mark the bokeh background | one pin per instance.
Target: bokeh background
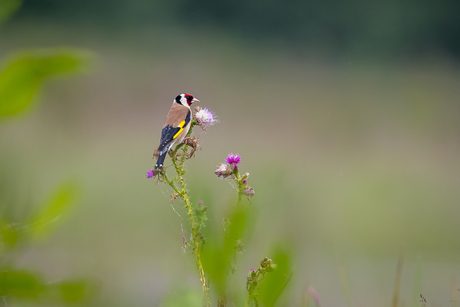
(346, 115)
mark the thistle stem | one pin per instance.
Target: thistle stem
(178, 163)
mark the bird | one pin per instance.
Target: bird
(176, 126)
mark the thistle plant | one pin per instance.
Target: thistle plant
(218, 260)
(196, 215)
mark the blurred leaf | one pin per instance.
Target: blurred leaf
(217, 258)
(20, 284)
(71, 291)
(184, 299)
(8, 8)
(274, 283)
(59, 203)
(10, 234)
(22, 75)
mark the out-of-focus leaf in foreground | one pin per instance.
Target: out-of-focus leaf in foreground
(275, 282)
(183, 299)
(10, 234)
(22, 74)
(8, 8)
(22, 284)
(72, 291)
(54, 209)
(217, 260)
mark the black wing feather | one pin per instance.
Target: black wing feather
(168, 133)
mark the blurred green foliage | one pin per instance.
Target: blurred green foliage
(16, 235)
(222, 246)
(186, 298)
(20, 78)
(275, 282)
(28, 285)
(23, 284)
(7, 8)
(23, 73)
(383, 28)
(60, 202)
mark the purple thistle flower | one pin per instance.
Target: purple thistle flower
(150, 173)
(233, 160)
(200, 203)
(244, 181)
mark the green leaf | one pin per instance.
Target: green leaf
(10, 234)
(218, 252)
(8, 8)
(23, 74)
(71, 291)
(20, 284)
(54, 209)
(184, 299)
(274, 283)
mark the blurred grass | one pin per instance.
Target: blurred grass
(347, 158)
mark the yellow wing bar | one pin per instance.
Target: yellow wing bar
(181, 126)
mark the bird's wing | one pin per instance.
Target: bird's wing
(173, 128)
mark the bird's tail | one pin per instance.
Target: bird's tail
(161, 159)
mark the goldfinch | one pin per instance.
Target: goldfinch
(176, 126)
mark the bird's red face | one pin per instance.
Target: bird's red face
(186, 99)
(190, 99)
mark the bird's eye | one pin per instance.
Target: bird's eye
(189, 97)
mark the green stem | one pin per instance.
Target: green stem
(170, 183)
(241, 185)
(222, 301)
(196, 237)
(182, 192)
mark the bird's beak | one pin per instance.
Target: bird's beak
(195, 100)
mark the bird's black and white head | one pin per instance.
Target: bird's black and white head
(185, 99)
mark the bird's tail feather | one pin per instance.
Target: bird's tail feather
(160, 161)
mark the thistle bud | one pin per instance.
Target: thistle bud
(249, 192)
(265, 262)
(192, 142)
(223, 170)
